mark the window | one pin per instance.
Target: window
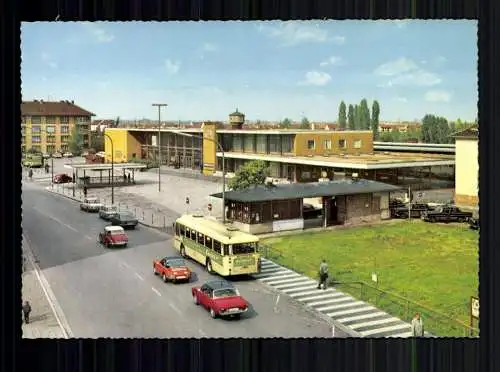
(82, 119)
(274, 143)
(35, 139)
(64, 129)
(248, 143)
(23, 119)
(342, 143)
(36, 129)
(51, 149)
(64, 148)
(37, 148)
(51, 129)
(217, 246)
(261, 143)
(244, 248)
(311, 144)
(51, 139)
(237, 143)
(208, 242)
(36, 120)
(327, 144)
(201, 238)
(287, 143)
(64, 120)
(50, 120)
(357, 144)
(65, 139)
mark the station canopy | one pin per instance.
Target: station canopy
(103, 167)
(307, 190)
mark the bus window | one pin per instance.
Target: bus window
(192, 234)
(177, 229)
(244, 248)
(217, 246)
(208, 242)
(182, 230)
(226, 250)
(201, 239)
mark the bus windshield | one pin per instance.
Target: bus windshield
(244, 248)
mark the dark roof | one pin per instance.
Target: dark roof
(219, 284)
(307, 190)
(61, 108)
(471, 132)
(237, 113)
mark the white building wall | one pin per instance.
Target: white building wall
(466, 167)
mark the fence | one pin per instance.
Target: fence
(397, 305)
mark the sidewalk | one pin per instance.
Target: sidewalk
(43, 322)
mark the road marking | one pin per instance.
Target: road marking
(176, 309)
(353, 311)
(396, 327)
(351, 304)
(375, 322)
(139, 277)
(276, 277)
(329, 294)
(362, 317)
(56, 219)
(156, 291)
(296, 283)
(330, 301)
(51, 298)
(124, 264)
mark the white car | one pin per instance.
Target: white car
(57, 155)
(68, 155)
(91, 205)
(106, 211)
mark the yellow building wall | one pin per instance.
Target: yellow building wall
(209, 148)
(301, 139)
(466, 172)
(133, 147)
(120, 145)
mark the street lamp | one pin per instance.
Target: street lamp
(159, 105)
(112, 169)
(221, 149)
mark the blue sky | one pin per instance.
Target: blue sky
(268, 70)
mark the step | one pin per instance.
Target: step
(298, 289)
(328, 294)
(269, 274)
(374, 322)
(352, 304)
(395, 327)
(330, 301)
(353, 311)
(361, 317)
(295, 284)
(294, 275)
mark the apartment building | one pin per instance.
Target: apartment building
(47, 125)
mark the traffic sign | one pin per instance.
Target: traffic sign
(187, 200)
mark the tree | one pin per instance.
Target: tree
(76, 141)
(357, 117)
(435, 129)
(375, 119)
(251, 174)
(350, 118)
(364, 115)
(304, 124)
(97, 141)
(286, 123)
(342, 115)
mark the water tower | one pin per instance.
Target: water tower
(236, 120)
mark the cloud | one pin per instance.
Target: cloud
(47, 59)
(294, 33)
(401, 99)
(172, 66)
(437, 96)
(317, 78)
(209, 47)
(404, 71)
(99, 34)
(330, 61)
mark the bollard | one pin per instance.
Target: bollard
(276, 303)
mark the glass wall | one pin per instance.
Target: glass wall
(287, 143)
(274, 143)
(261, 143)
(237, 143)
(248, 143)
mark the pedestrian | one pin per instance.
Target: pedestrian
(128, 177)
(323, 274)
(417, 326)
(30, 174)
(46, 168)
(26, 312)
(85, 191)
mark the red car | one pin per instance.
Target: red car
(221, 298)
(173, 269)
(62, 178)
(113, 236)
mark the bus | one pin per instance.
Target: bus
(222, 249)
(33, 160)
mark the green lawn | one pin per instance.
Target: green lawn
(434, 265)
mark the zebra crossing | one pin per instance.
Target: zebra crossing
(365, 319)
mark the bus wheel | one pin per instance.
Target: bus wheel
(209, 267)
(183, 251)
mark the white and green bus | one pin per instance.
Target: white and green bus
(222, 249)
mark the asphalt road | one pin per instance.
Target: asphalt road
(113, 293)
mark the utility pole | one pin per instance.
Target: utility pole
(159, 105)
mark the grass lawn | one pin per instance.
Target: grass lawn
(434, 265)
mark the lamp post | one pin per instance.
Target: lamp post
(221, 149)
(159, 105)
(112, 169)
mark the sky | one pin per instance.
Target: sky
(267, 70)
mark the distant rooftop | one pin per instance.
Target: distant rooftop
(53, 108)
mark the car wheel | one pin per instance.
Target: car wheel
(183, 251)
(165, 279)
(195, 299)
(209, 266)
(213, 314)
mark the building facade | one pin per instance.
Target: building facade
(47, 126)
(467, 168)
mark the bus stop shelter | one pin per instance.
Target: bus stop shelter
(99, 175)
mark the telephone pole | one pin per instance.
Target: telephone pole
(159, 105)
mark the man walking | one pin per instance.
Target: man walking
(323, 274)
(417, 326)
(26, 312)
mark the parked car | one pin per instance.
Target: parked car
(446, 214)
(474, 223)
(90, 205)
(106, 211)
(309, 211)
(396, 203)
(113, 236)
(415, 210)
(123, 219)
(221, 298)
(68, 155)
(57, 155)
(62, 178)
(173, 269)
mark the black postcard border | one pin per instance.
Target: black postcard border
(444, 354)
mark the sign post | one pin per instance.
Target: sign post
(187, 204)
(474, 311)
(210, 209)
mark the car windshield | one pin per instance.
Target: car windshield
(93, 201)
(244, 248)
(116, 232)
(226, 292)
(126, 216)
(176, 262)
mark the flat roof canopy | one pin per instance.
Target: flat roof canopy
(307, 190)
(107, 166)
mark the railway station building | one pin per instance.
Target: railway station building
(293, 155)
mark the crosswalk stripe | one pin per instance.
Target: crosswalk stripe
(361, 317)
(352, 311)
(315, 291)
(342, 306)
(269, 264)
(296, 284)
(328, 294)
(275, 277)
(374, 322)
(269, 274)
(404, 334)
(271, 270)
(298, 289)
(396, 327)
(278, 281)
(330, 301)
